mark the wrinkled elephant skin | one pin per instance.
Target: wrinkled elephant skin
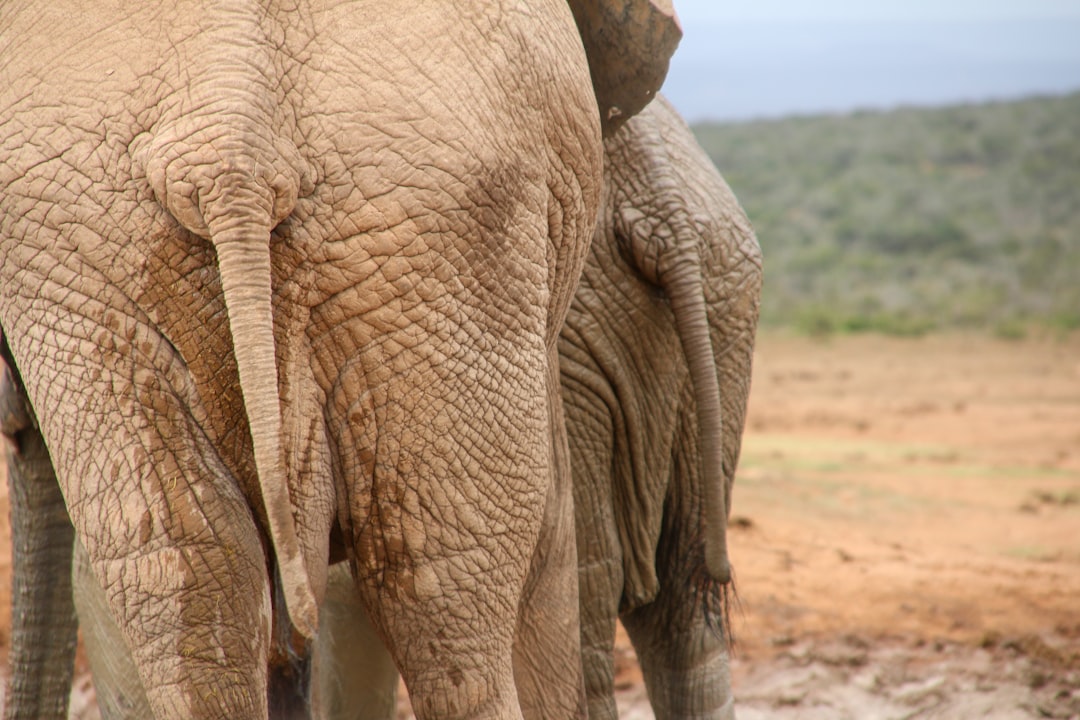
(266, 272)
(653, 465)
(632, 415)
(632, 408)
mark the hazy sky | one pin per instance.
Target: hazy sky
(777, 57)
(876, 10)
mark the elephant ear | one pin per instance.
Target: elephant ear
(629, 44)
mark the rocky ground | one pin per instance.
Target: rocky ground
(906, 533)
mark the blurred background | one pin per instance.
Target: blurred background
(775, 58)
(908, 165)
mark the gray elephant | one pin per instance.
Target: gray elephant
(284, 283)
(638, 444)
(656, 360)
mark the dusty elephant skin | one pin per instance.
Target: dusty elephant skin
(632, 410)
(673, 281)
(632, 414)
(640, 457)
(265, 271)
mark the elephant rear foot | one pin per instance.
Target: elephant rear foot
(684, 656)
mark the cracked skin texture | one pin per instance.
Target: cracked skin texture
(630, 408)
(631, 403)
(434, 213)
(634, 440)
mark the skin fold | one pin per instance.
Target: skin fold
(276, 273)
(635, 446)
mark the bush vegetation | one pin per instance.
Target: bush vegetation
(914, 220)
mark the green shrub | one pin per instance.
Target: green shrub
(962, 217)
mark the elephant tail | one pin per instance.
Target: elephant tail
(217, 164)
(242, 241)
(236, 202)
(685, 287)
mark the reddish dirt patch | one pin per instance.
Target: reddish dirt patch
(918, 489)
(907, 517)
(906, 532)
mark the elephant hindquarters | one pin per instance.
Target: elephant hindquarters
(446, 447)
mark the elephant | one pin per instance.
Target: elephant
(656, 358)
(283, 284)
(638, 444)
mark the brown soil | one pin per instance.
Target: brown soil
(906, 529)
(906, 532)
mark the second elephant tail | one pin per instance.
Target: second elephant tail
(684, 286)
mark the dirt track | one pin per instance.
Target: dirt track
(906, 532)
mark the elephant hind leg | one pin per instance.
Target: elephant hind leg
(195, 609)
(442, 544)
(681, 636)
(685, 664)
(547, 646)
(451, 669)
(119, 691)
(43, 634)
(174, 545)
(450, 639)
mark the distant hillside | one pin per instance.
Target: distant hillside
(915, 219)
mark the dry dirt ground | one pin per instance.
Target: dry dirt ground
(906, 533)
